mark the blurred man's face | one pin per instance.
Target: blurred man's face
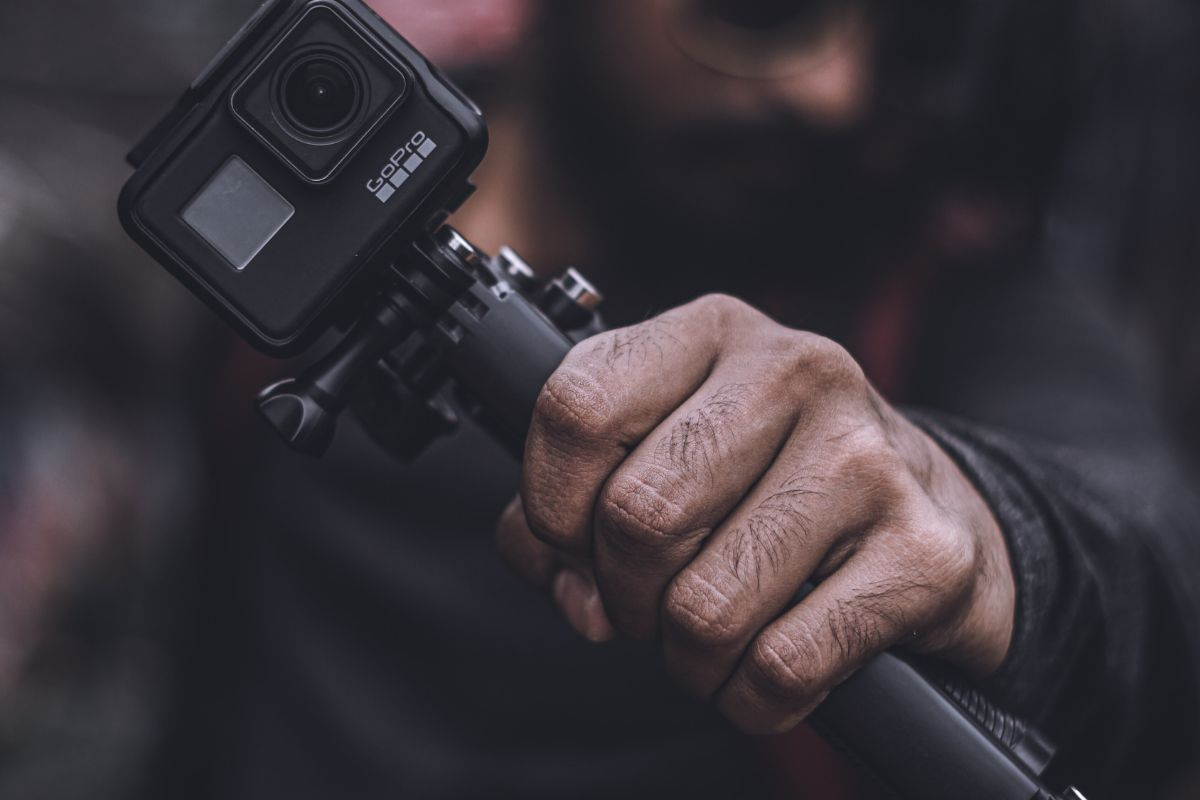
(679, 63)
(734, 130)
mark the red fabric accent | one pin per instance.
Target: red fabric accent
(963, 231)
(803, 766)
(889, 324)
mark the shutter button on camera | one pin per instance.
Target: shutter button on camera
(580, 289)
(570, 301)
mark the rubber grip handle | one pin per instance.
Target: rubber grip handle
(905, 729)
(1021, 739)
(916, 740)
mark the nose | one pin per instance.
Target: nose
(831, 85)
(813, 57)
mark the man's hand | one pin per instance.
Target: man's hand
(685, 477)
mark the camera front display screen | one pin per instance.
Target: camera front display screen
(237, 213)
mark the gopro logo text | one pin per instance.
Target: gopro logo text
(401, 166)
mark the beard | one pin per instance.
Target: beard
(715, 203)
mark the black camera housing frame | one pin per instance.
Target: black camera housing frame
(348, 223)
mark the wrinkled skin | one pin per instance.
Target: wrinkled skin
(685, 477)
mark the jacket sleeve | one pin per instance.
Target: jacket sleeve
(1046, 401)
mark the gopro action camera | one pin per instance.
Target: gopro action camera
(301, 184)
(315, 146)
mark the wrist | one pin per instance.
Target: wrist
(978, 637)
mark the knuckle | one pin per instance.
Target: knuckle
(638, 507)
(836, 367)
(948, 553)
(780, 355)
(723, 305)
(574, 406)
(728, 313)
(867, 457)
(825, 364)
(548, 526)
(701, 613)
(786, 348)
(787, 667)
(926, 566)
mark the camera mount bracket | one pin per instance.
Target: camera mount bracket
(473, 314)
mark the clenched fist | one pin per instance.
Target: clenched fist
(685, 478)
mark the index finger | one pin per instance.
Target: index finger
(609, 393)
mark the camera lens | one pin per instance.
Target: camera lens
(320, 94)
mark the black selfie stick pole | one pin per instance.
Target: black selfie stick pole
(497, 335)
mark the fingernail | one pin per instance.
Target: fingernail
(569, 591)
(597, 627)
(579, 600)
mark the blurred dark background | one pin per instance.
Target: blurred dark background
(108, 395)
